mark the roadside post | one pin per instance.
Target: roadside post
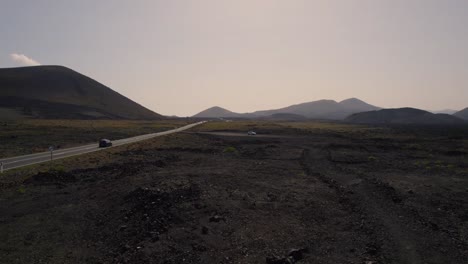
(51, 149)
(1, 167)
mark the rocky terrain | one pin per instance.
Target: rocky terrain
(365, 195)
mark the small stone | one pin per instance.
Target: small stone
(217, 218)
(297, 254)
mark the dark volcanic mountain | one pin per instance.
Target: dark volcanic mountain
(217, 112)
(402, 116)
(463, 114)
(59, 92)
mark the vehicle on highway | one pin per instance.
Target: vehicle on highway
(251, 133)
(103, 143)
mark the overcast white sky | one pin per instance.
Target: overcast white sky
(182, 56)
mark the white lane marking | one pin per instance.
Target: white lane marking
(43, 153)
(76, 150)
(93, 149)
(45, 159)
(47, 154)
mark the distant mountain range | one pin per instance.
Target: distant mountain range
(322, 109)
(350, 110)
(59, 92)
(403, 116)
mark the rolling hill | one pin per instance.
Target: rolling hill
(217, 112)
(59, 92)
(463, 114)
(322, 109)
(403, 116)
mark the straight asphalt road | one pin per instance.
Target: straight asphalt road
(21, 161)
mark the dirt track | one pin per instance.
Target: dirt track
(227, 199)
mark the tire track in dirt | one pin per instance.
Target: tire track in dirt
(405, 243)
(389, 241)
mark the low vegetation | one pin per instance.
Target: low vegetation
(281, 127)
(36, 135)
(375, 132)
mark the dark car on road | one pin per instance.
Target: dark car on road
(103, 143)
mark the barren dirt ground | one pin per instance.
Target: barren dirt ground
(311, 197)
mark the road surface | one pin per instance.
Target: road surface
(21, 161)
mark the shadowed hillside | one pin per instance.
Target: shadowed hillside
(463, 114)
(59, 92)
(403, 116)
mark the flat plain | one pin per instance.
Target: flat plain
(298, 192)
(27, 136)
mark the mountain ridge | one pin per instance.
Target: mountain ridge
(320, 109)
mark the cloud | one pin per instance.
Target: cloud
(23, 60)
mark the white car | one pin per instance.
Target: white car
(251, 133)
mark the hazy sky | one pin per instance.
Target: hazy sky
(180, 57)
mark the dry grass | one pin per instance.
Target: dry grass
(285, 127)
(103, 157)
(237, 126)
(31, 136)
